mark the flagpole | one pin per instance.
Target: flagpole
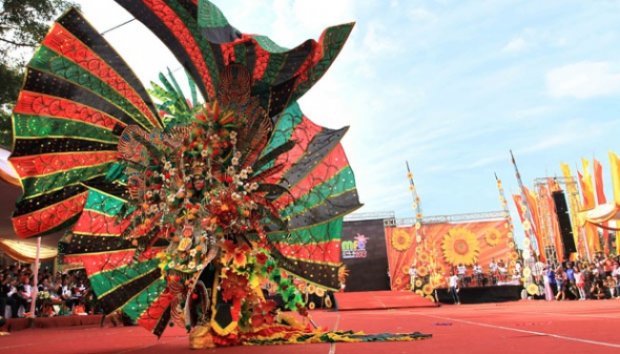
(35, 287)
(419, 237)
(504, 203)
(528, 212)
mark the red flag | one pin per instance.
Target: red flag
(600, 196)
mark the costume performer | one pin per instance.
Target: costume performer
(182, 212)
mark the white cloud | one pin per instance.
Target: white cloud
(515, 45)
(584, 79)
(420, 14)
(378, 40)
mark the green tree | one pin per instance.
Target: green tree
(23, 24)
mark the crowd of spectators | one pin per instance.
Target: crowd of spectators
(570, 280)
(58, 293)
(597, 279)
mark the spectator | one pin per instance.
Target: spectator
(579, 282)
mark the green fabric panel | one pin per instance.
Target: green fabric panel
(327, 231)
(267, 44)
(205, 49)
(103, 203)
(136, 306)
(49, 61)
(338, 184)
(241, 55)
(45, 127)
(105, 281)
(209, 15)
(6, 131)
(37, 185)
(333, 41)
(283, 130)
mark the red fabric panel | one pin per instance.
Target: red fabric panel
(64, 43)
(38, 165)
(52, 216)
(37, 104)
(151, 316)
(184, 36)
(318, 252)
(92, 222)
(335, 161)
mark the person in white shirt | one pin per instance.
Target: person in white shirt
(460, 271)
(478, 274)
(493, 271)
(453, 283)
(537, 271)
(412, 274)
(518, 267)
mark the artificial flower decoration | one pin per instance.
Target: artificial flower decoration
(460, 245)
(401, 240)
(532, 289)
(427, 289)
(422, 256)
(492, 237)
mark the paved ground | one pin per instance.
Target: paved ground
(517, 327)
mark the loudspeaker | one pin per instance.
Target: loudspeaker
(566, 229)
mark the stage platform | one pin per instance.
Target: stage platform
(482, 294)
(19, 324)
(380, 300)
(508, 328)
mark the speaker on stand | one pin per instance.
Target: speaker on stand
(566, 229)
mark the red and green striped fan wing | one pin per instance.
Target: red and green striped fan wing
(122, 280)
(77, 98)
(320, 191)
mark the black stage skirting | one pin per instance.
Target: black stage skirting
(482, 294)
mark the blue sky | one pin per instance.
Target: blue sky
(450, 86)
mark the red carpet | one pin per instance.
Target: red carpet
(380, 300)
(530, 327)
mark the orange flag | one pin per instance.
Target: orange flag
(587, 190)
(598, 178)
(532, 202)
(521, 207)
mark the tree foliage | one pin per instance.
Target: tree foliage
(23, 24)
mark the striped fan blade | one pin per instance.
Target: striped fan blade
(121, 280)
(320, 189)
(205, 43)
(78, 97)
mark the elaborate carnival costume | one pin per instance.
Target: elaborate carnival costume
(183, 212)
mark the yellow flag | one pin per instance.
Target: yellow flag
(571, 187)
(614, 164)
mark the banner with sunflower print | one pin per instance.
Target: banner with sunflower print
(444, 246)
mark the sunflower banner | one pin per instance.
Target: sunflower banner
(400, 245)
(447, 245)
